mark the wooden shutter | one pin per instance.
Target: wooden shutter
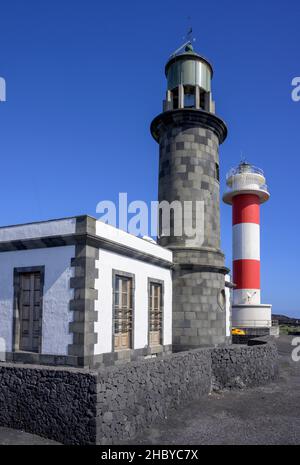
(155, 314)
(30, 311)
(123, 313)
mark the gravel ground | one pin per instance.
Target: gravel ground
(265, 415)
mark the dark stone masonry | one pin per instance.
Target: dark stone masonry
(189, 142)
(56, 403)
(238, 367)
(76, 406)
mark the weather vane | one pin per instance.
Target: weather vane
(188, 38)
(189, 35)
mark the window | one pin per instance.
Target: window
(217, 172)
(28, 309)
(222, 299)
(202, 99)
(123, 312)
(175, 98)
(189, 97)
(155, 313)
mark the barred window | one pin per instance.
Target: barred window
(123, 312)
(155, 314)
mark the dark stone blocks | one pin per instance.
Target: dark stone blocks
(60, 404)
(237, 367)
(189, 166)
(196, 298)
(187, 172)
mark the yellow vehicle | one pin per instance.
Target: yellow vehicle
(238, 332)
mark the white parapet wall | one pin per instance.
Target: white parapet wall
(38, 230)
(121, 237)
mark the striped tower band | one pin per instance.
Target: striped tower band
(246, 248)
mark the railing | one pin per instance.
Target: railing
(252, 324)
(245, 186)
(264, 187)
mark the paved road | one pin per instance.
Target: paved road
(12, 437)
(266, 415)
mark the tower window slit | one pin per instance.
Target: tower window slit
(217, 172)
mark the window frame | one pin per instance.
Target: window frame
(16, 310)
(161, 283)
(115, 274)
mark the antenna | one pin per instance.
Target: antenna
(243, 158)
(189, 34)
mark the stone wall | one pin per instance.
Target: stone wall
(57, 403)
(110, 405)
(134, 396)
(238, 367)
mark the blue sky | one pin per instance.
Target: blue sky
(85, 78)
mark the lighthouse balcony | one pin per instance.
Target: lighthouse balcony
(246, 179)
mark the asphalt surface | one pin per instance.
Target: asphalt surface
(265, 415)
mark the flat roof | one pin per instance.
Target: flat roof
(65, 228)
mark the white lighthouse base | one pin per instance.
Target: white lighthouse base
(247, 316)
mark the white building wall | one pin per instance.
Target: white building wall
(56, 298)
(109, 261)
(228, 294)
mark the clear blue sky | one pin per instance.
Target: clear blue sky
(85, 78)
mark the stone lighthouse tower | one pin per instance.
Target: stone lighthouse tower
(189, 134)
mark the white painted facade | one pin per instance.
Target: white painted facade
(56, 295)
(109, 261)
(142, 270)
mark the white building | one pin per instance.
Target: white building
(78, 292)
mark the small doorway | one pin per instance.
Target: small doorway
(28, 314)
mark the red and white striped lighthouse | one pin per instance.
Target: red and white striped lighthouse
(247, 191)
